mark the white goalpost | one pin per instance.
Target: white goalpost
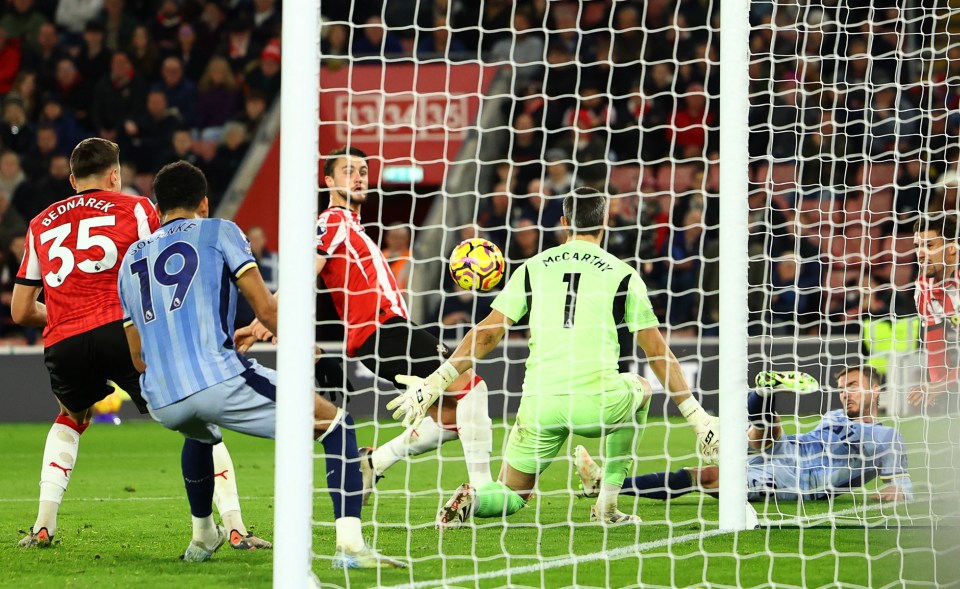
(300, 95)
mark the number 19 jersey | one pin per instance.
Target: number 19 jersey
(72, 251)
(177, 288)
(577, 296)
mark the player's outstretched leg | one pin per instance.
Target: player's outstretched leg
(59, 459)
(345, 482)
(426, 437)
(227, 499)
(196, 461)
(491, 500)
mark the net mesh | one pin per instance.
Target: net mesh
(479, 117)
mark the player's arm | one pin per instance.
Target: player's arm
(479, 341)
(665, 365)
(133, 342)
(262, 301)
(25, 309)
(891, 461)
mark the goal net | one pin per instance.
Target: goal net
(479, 117)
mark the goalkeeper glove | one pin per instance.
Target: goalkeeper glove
(706, 427)
(411, 405)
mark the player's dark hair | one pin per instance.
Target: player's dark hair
(874, 378)
(94, 157)
(585, 210)
(180, 185)
(943, 224)
(336, 154)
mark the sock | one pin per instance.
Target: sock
(607, 500)
(426, 437)
(225, 494)
(343, 467)
(761, 409)
(349, 536)
(659, 485)
(59, 459)
(496, 499)
(205, 530)
(476, 431)
(196, 462)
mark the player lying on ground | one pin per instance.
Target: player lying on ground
(846, 450)
(71, 254)
(179, 304)
(576, 295)
(380, 333)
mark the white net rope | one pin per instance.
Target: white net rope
(853, 132)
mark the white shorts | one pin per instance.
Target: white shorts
(246, 403)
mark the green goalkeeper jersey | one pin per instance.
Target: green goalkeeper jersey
(577, 295)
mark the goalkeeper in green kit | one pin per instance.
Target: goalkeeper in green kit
(576, 295)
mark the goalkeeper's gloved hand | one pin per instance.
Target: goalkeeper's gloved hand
(411, 405)
(706, 427)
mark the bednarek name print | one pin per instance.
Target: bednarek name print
(69, 205)
(579, 257)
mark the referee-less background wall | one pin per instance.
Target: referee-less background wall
(26, 396)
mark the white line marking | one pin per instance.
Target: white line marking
(610, 554)
(110, 499)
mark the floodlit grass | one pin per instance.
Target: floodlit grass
(125, 521)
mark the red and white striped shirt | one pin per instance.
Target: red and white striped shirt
(358, 276)
(939, 308)
(73, 250)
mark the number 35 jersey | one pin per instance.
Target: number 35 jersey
(177, 287)
(72, 251)
(577, 296)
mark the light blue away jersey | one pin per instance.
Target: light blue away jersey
(834, 457)
(176, 287)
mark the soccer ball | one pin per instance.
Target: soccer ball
(476, 264)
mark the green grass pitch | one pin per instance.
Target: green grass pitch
(125, 521)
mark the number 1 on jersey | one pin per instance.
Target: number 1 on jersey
(181, 278)
(572, 279)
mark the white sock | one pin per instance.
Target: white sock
(349, 535)
(205, 531)
(607, 500)
(476, 433)
(225, 494)
(59, 458)
(426, 437)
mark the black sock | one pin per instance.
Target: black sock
(196, 462)
(343, 469)
(761, 409)
(659, 485)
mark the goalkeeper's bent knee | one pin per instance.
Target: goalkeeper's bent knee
(496, 499)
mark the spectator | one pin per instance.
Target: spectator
(192, 55)
(526, 148)
(149, 135)
(118, 97)
(559, 179)
(43, 59)
(11, 259)
(37, 159)
(219, 98)
(790, 297)
(587, 146)
(622, 234)
(25, 90)
(546, 208)
(10, 57)
(74, 15)
(118, 25)
(685, 254)
(336, 44)
(373, 38)
(73, 92)
(11, 174)
(227, 160)
(128, 178)
(266, 77)
(439, 43)
(11, 223)
(524, 243)
(210, 28)
(144, 52)
(254, 109)
(65, 125)
(94, 59)
(33, 197)
(493, 215)
(266, 21)
(22, 23)
(16, 132)
(165, 26)
(524, 49)
(181, 148)
(397, 252)
(690, 125)
(267, 260)
(239, 46)
(181, 93)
